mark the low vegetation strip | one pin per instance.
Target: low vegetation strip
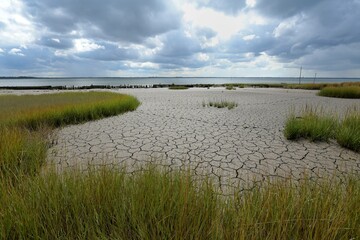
(316, 125)
(341, 92)
(25, 122)
(153, 204)
(178, 87)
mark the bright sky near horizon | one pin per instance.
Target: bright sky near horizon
(227, 38)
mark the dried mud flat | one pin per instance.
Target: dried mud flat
(173, 129)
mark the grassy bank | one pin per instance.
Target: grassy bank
(316, 125)
(341, 92)
(25, 122)
(157, 205)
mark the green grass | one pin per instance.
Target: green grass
(149, 204)
(177, 87)
(154, 204)
(316, 125)
(25, 122)
(341, 92)
(230, 87)
(348, 134)
(220, 104)
(306, 86)
(312, 123)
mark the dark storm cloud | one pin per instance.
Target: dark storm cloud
(179, 51)
(342, 57)
(326, 25)
(115, 20)
(285, 8)
(177, 44)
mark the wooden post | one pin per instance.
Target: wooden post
(300, 75)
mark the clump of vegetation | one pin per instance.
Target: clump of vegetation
(315, 125)
(178, 87)
(230, 87)
(220, 104)
(25, 122)
(312, 123)
(341, 92)
(153, 204)
(348, 133)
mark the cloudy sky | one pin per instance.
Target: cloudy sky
(180, 38)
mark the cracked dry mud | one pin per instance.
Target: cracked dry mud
(173, 129)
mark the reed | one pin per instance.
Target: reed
(153, 204)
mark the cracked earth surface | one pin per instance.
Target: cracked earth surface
(173, 129)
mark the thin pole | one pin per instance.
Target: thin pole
(315, 77)
(300, 75)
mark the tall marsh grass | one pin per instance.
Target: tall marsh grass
(152, 204)
(25, 122)
(341, 92)
(348, 134)
(314, 124)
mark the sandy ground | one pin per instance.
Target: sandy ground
(173, 128)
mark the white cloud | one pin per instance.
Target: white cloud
(203, 57)
(1, 50)
(85, 45)
(250, 3)
(56, 40)
(225, 26)
(148, 65)
(16, 51)
(18, 28)
(249, 37)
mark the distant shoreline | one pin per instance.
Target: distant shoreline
(307, 86)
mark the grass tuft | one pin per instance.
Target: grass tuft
(230, 87)
(312, 123)
(348, 134)
(220, 104)
(315, 125)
